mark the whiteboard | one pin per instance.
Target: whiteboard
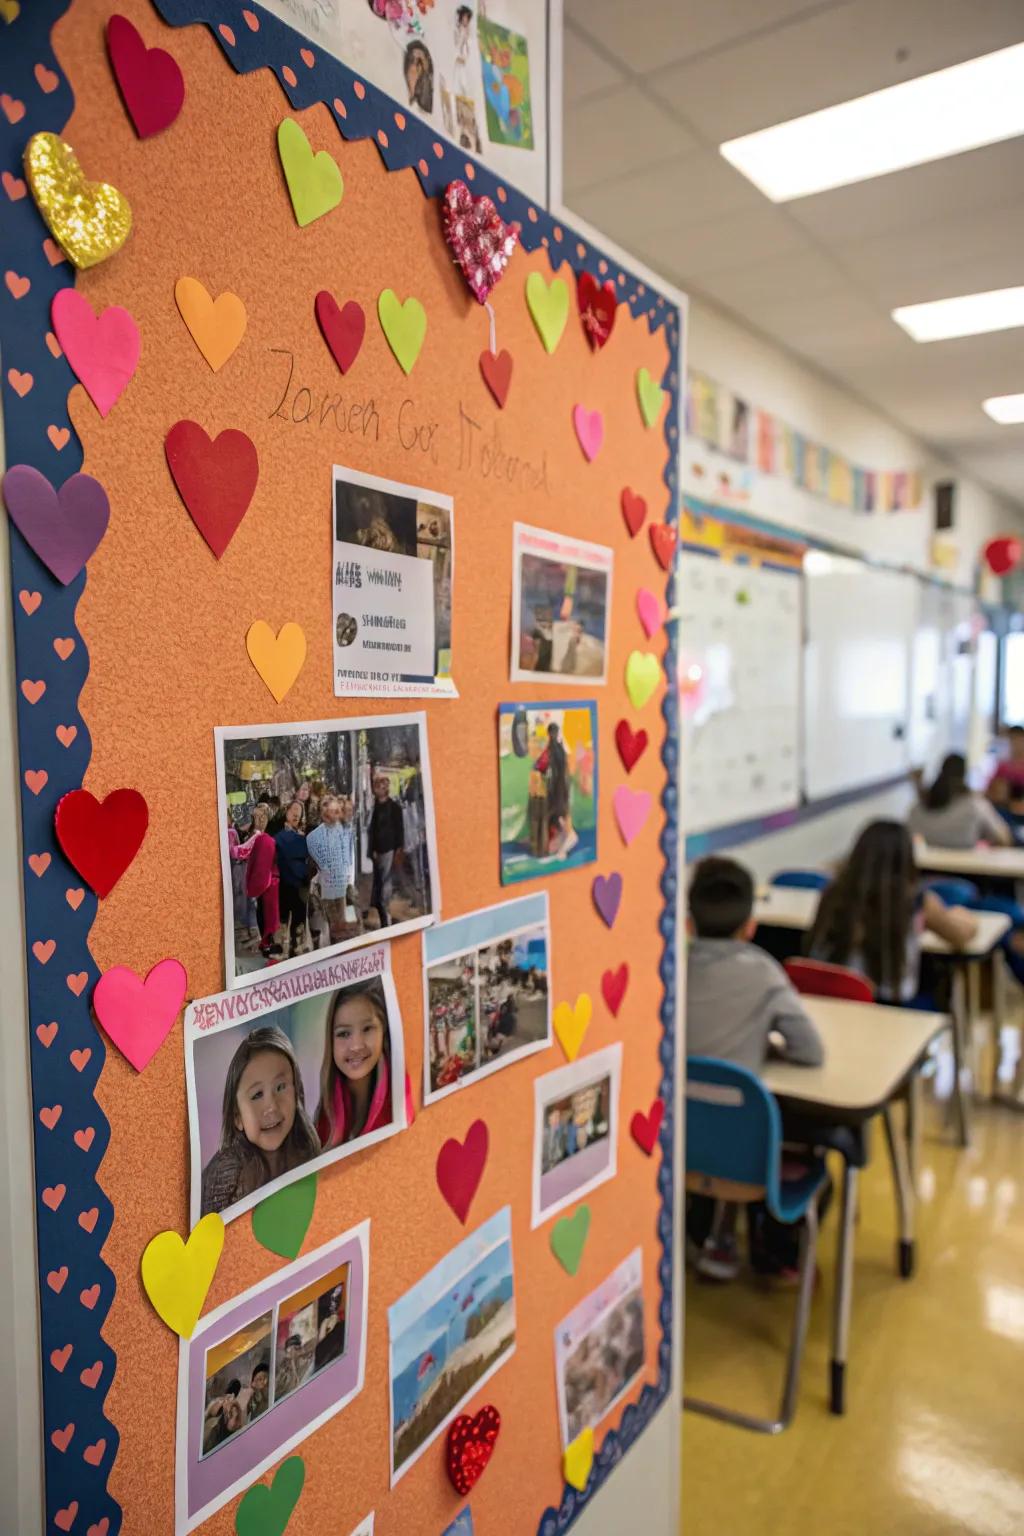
(861, 623)
(739, 640)
(942, 675)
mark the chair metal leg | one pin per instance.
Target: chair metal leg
(961, 1025)
(914, 1129)
(904, 1192)
(794, 1359)
(844, 1292)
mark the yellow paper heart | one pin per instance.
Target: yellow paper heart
(571, 1024)
(89, 219)
(177, 1275)
(578, 1460)
(216, 325)
(277, 658)
(643, 674)
(10, 10)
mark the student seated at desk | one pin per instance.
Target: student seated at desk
(950, 815)
(872, 916)
(1006, 786)
(736, 996)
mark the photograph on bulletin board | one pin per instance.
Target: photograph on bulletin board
(561, 607)
(548, 783)
(599, 1349)
(575, 1130)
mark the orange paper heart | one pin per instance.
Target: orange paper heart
(216, 325)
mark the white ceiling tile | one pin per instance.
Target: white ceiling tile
(584, 70)
(801, 274)
(666, 30)
(671, 194)
(724, 244)
(618, 132)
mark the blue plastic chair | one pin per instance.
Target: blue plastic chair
(954, 893)
(801, 879)
(733, 1152)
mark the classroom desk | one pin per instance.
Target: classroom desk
(780, 906)
(971, 863)
(871, 1056)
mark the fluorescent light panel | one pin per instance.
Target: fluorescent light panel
(972, 314)
(966, 106)
(1008, 410)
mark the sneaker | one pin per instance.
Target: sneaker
(568, 845)
(719, 1259)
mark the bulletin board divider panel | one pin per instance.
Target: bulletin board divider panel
(75, 1214)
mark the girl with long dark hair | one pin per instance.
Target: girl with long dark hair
(950, 815)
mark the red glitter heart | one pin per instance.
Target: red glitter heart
(597, 308)
(479, 236)
(471, 1442)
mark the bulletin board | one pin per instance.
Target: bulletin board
(132, 655)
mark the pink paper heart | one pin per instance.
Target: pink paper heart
(632, 808)
(589, 429)
(103, 349)
(136, 1014)
(650, 610)
(479, 237)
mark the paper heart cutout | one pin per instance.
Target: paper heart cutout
(650, 611)
(102, 350)
(281, 1221)
(631, 744)
(607, 893)
(481, 241)
(650, 396)
(177, 1275)
(343, 329)
(138, 1014)
(663, 543)
(569, 1238)
(470, 1446)
(149, 79)
(404, 325)
(613, 988)
(10, 10)
(589, 430)
(572, 1023)
(496, 368)
(89, 219)
(549, 308)
(315, 185)
(597, 308)
(216, 480)
(277, 658)
(578, 1460)
(266, 1511)
(644, 1128)
(62, 527)
(100, 838)
(460, 1167)
(215, 325)
(643, 674)
(634, 510)
(632, 808)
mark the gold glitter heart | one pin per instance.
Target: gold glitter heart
(89, 219)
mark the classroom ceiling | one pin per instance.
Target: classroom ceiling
(652, 89)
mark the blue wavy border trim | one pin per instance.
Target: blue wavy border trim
(24, 322)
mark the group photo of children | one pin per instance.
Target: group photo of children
(311, 1330)
(599, 1350)
(237, 1383)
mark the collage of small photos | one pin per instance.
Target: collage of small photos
(328, 853)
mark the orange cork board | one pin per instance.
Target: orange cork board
(163, 624)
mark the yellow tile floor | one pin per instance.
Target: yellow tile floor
(932, 1443)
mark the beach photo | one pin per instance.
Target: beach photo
(290, 1076)
(447, 1335)
(561, 607)
(487, 993)
(599, 1349)
(327, 838)
(576, 1114)
(237, 1383)
(548, 770)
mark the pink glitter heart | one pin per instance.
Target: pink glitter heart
(480, 238)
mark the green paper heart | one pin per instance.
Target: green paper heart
(265, 1511)
(650, 395)
(314, 181)
(549, 308)
(643, 674)
(281, 1221)
(569, 1238)
(404, 325)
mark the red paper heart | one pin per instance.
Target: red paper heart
(631, 744)
(479, 237)
(343, 328)
(496, 368)
(149, 80)
(634, 510)
(663, 542)
(471, 1443)
(613, 988)
(597, 308)
(101, 838)
(216, 480)
(460, 1167)
(644, 1128)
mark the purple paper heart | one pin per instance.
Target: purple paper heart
(63, 527)
(607, 895)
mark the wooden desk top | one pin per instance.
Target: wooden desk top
(869, 1050)
(779, 906)
(1004, 863)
